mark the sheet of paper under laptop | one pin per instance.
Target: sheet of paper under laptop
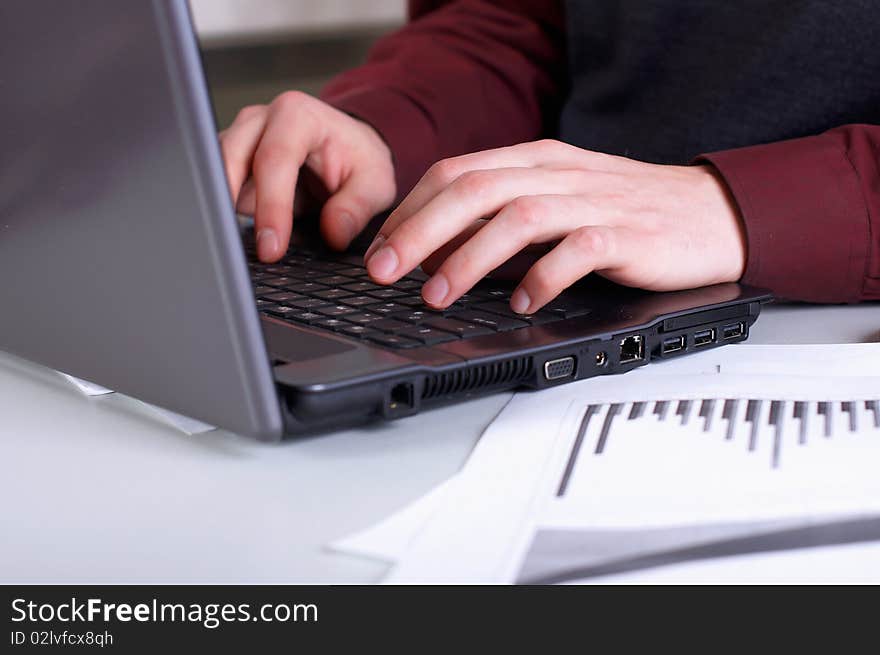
(731, 458)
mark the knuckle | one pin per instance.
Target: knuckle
(249, 112)
(590, 240)
(444, 171)
(474, 183)
(292, 99)
(527, 212)
(551, 146)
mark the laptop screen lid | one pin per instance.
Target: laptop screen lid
(120, 254)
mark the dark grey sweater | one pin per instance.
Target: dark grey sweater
(665, 80)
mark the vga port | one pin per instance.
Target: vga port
(557, 369)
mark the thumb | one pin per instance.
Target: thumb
(349, 210)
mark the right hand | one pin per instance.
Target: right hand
(267, 145)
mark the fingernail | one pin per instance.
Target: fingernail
(435, 290)
(267, 243)
(383, 263)
(520, 301)
(378, 241)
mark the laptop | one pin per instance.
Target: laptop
(124, 263)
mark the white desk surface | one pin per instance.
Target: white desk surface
(100, 490)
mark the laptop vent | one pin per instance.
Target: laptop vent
(462, 381)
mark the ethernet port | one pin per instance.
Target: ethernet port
(632, 349)
(403, 397)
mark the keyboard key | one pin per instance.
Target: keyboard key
(411, 301)
(503, 309)
(280, 282)
(305, 316)
(263, 305)
(336, 310)
(307, 288)
(566, 308)
(387, 294)
(413, 316)
(353, 271)
(360, 331)
(332, 294)
(389, 325)
(460, 328)
(334, 280)
(281, 311)
(309, 303)
(363, 318)
(261, 290)
(334, 324)
(311, 274)
(361, 287)
(332, 266)
(280, 270)
(387, 308)
(493, 321)
(394, 341)
(282, 296)
(427, 335)
(358, 301)
(407, 285)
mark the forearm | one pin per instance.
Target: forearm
(460, 77)
(811, 209)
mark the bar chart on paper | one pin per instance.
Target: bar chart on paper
(708, 478)
(727, 457)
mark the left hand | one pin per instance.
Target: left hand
(643, 225)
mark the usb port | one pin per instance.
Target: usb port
(672, 345)
(733, 331)
(632, 349)
(704, 337)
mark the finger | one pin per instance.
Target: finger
(290, 135)
(586, 249)
(517, 266)
(433, 262)
(349, 210)
(238, 143)
(546, 153)
(247, 199)
(472, 196)
(526, 220)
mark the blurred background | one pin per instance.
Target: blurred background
(255, 49)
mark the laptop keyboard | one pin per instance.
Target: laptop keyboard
(337, 295)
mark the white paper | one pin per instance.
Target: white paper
(185, 424)
(389, 539)
(661, 480)
(86, 387)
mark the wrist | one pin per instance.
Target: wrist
(724, 216)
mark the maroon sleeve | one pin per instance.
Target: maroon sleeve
(811, 208)
(461, 76)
